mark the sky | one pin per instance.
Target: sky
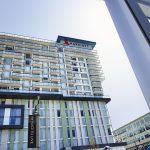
(88, 20)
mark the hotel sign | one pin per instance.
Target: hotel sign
(33, 131)
(73, 42)
(69, 43)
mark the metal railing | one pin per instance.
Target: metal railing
(23, 91)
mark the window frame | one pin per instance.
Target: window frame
(3, 106)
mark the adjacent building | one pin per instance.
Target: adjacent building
(135, 133)
(66, 77)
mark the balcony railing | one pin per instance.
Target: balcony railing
(11, 53)
(25, 91)
(18, 60)
(26, 75)
(57, 71)
(44, 57)
(36, 69)
(10, 81)
(92, 96)
(45, 84)
(17, 67)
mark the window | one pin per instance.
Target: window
(28, 56)
(28, 62)
(75, 69)
(6, 74)
(9, 48)
(7, 61)
(54, 90)
(86, 88)
(73, 58)
(82, 70)
(74, 64)
(58, 113)
(77, 81)
(85, 82)
(44, 47)
(82, 113)
(76, 75)
(78, 87)
(109, 131)
(84, 76)
(81, 59)
(60, 49)
(82, 64)
(11, 116)
(74, 132)
(45, 79)
(68, 131)
(45, 71)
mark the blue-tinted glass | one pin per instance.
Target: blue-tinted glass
(1, 115)
(18, 112)
(18, 121)
(15, 112)
(1, 120)
(2, 112)
(12, 121)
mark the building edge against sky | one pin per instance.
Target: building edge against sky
(133, 26)
(136, 133)
(66, 76)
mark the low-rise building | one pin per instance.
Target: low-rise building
(135, 133)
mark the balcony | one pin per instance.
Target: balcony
(18, 61)
(93, 66)
(98, 91)
(95, 72)
(37, 64)
(97, 78)
(10, 83)
(71, 81)
(11, 54)
(96, 84)
(45, 85)
(45, 58)
(26, 76)
(36, 70)
(55, 78)
(55, 66)
(55, 72)
(25, 93)
(72, 88)
(17, 68)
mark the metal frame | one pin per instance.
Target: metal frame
(140, 17)
(22, 117)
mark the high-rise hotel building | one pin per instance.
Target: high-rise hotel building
(66, 77)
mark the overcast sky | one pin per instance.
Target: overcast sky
(88, 20)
